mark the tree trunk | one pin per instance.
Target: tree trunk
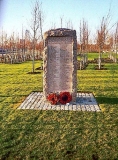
(33, 61)
(99, 60)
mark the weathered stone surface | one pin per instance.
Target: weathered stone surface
(60, 59)
(60, 32)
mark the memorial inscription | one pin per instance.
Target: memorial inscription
(60, 64)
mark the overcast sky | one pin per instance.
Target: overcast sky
(14, 13)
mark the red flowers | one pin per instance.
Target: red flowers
(63, 98)
(53, 98)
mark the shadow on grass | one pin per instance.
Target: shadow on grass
(34, 73)
(107, 100)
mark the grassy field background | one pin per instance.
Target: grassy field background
(63, 135)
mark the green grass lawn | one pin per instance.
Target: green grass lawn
(91, 56)
(62, 135)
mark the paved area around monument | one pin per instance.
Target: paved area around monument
(84, 102)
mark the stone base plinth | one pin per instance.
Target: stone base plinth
(84, 102)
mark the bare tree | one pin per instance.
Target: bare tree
(61, 20)
(102, 35)
(84, 38)
(69, 24)
(23, 44)
(12, 47)
(116, 42)
(53, 25)
(36, 27)
(2, 39)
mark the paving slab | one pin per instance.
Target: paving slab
(84, 102)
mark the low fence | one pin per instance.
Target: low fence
(83, 62)
(113, 56)
(19, 57)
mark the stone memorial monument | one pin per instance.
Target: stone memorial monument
(60, 76)
(60, 61)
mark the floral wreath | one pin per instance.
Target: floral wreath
(53, 98)
(63, 98)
